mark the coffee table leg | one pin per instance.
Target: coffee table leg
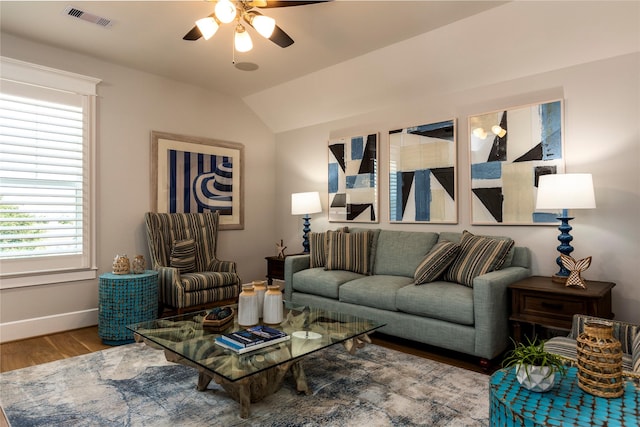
(203, 381)
(355, 343)
(300, 378)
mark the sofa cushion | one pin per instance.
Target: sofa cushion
(348, 251)
(398, 253)
(183, 255)
(446, 301)
(373, 291)
(436, 262)
(478, 255)
(318, 281)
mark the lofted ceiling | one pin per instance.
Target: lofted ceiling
(147, 35)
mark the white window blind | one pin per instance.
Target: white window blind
(41, 178)
(46, 179)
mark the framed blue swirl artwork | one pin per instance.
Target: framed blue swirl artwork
(192, 174)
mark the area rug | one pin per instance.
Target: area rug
(133, 385)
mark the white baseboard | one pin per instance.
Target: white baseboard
(27, 328)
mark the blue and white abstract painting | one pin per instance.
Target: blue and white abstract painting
(199, 175)
(353, 179)
(422, 174)
(509, 150)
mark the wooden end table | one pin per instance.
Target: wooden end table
(537, 300)
(275, 268)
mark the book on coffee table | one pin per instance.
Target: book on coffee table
(253, 338)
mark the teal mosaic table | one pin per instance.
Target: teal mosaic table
(564, 405)
(124, 299)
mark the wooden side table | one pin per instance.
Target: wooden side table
(539, 301)
(565, 404)
(275, 268)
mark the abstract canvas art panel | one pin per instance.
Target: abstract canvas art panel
(422, 174)
(353, 179)
(193, 174)
(509, 150)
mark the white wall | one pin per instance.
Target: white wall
(131, 104)
(601, 134)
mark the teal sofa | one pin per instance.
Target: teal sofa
(467, 319)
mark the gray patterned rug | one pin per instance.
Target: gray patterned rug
(134, 385)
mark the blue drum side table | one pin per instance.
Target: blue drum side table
(564, 405)
(124, 299)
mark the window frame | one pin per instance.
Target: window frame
(13, 274)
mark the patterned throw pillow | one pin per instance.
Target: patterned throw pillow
(436, 262)
(183, 255)
(317, 249)
(348, 251)
(478, 255)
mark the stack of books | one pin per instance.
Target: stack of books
(250, 339)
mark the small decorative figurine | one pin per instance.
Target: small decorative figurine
(138, 264)
(280, 247)
(121, 264)
(575, 268)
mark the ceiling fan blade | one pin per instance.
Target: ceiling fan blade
(194, 34)
(280, 38)
(286, 3)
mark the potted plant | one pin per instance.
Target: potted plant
(534, 367)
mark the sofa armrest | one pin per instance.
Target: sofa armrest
(491, 309)
(293, 264)
(635, 354)
(168, 281)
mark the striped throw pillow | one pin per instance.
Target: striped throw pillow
(317, 249)
(436, 262)
(478, 255)
(348, 251)
(183, 255)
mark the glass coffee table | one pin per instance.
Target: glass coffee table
(251, 376)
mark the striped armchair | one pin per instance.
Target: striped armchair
(183, 251)
(627, 333)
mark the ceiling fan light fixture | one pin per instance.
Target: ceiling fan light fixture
(225, 11)
(207, 26)
(242, 40)
(264, 25)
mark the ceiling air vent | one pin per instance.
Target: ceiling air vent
(74, 12)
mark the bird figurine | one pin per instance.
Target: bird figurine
(575, 269)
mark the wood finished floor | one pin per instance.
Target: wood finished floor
(44, 349)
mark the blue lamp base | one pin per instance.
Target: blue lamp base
(306, 229)
(564, 248)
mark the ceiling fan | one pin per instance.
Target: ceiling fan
(227, 11)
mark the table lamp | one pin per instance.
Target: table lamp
(305, 204)
(565, 191)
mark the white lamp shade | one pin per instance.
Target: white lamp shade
(207, 26)
(305, 203)
(225, 11)
(263, 25)
(243, 41)
(566, 191)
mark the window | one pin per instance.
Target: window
(47, 230)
